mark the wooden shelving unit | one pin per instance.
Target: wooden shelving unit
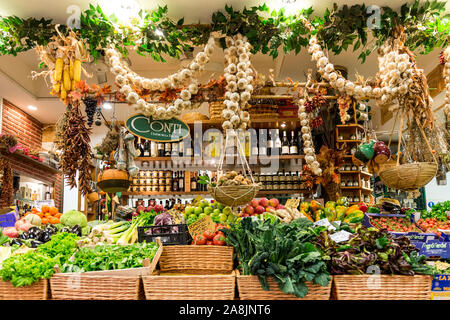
(260, 193)
(22, 157)
(353, 191)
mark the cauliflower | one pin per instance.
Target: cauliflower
(74, 217)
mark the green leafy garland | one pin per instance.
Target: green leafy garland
(338, 29)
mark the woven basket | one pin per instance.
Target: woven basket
(215, 110)
(234, 195)
(37, 291)
(409, 177)
(396, 287)
(197, 259)
(189, 287)
(124, 284)
(250, 289)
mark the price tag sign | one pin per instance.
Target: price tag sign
(324, 222)
(340, 236)
(200, 226)
(440, 287)
(436, 248)
(177, 217)
(40, 203)
(292, 203)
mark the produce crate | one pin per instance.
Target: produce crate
(199, 259)
(250, 289)
(123, 284)
(7, 219)
(37, 291)
(168, 238)
(160, 286)
(386, 287)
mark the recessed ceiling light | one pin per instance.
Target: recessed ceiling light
(283, 125)
(33, 108)
(107, 106)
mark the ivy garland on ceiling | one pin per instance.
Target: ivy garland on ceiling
(426, 28)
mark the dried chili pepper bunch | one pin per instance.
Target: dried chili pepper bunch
(442, 59)
(76, 150)
(315, 103)
(316, 122)
(7, 183)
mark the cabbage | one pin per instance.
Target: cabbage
(164, 219)
(74, 217)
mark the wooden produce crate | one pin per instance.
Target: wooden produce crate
(250, 289)
(190, 259)
(166, 286)
(37, 291)
(382, 287)
(123, 284)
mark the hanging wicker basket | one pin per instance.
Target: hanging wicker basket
(234, 195)
(409, 177)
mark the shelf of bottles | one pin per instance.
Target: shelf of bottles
(356, 182)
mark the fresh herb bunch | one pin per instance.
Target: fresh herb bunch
(283, 251)
(111, 257)
(372, 247)
(30, 267)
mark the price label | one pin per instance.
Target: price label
(340, 236)
(200, 226)
(436, 248)
(325, 223)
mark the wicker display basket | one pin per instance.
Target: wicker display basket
(189, 287)
(197, 259)
(37, 291)
(388, 287)
(215, 110)
(250, 289)
(123, 284)
(409, 177)
(234, 195)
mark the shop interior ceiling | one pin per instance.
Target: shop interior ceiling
(17, 86)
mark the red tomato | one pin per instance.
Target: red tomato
(219, 240)
(208, 235)
(201, 240)
(209, 243)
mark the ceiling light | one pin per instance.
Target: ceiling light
(107, 106)
(283, 125)
(32, 108)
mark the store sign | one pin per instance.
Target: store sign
(416, 236)
(436, 248)
(440, 287)
(157, 130)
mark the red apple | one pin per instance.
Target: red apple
(280, 206)
(158, 208)
(260, 210)
(150, 208)
(269, 208)
(264, 202)
(274, 202)
(249, 210)
(254, 203)
(135, 214)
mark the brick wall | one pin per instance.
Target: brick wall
(29, 133)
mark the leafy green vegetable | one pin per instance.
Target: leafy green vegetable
(110, 257)
(28, 268)
(282, 251)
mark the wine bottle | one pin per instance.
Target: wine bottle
(181, 148)
(146, 149)
(285, 147)
(189, 150)
(262, 142)
(293, 148)
(175, 181)
(153, 149)
(254, 143)
(167, 149)
(193, 182)
(160, 149)
(140, 147)
(270, 143)
(175, 147)
(277, 143)
(181, 181)
(300, 142)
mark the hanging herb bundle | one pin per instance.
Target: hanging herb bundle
(111, 141)
(7, 183)
(76, 151)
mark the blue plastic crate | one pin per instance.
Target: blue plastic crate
(7, 219)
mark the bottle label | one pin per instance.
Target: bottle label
(285, 150)
(293, 150)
